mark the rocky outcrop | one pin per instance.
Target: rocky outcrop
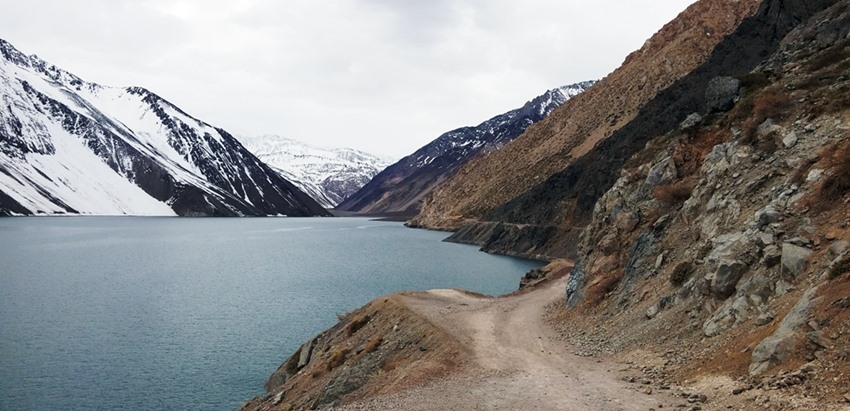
(379, 348)
(713, 232)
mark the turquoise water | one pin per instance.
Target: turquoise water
(112, 313)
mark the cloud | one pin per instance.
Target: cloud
(382, 75)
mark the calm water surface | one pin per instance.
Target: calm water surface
(110, 313)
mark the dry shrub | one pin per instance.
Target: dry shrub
(370, 346)
(674, 193)
(837, 184)
(356, 324)
(337, 358)
(681, 273)
(688, 154)
(773, 104)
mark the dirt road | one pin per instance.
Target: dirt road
(518, 363)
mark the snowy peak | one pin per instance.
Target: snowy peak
(327, 175)
(69, 146)
(402, 186)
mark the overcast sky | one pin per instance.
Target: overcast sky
(385, 76)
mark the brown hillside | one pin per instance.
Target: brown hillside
(549, 146)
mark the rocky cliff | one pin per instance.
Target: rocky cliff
(729, 234)
(401, 187)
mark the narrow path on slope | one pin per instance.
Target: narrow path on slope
(518, 363)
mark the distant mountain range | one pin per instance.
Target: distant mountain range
(68, 146)
(402, 186)
(328, 175)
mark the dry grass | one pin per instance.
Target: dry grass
(836, 185)
(770, 104)
(356, 324)
(337, 358)
(674, 193)
(370, 346)
(689, 153)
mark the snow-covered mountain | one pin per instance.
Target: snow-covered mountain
(401, 187)
(327, 175)
(68, 146)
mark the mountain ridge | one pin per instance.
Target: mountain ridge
(401, 187)
(328, 175)
(72, 146)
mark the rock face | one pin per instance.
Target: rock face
(709, 233)
(68, 146)
(328, 175)
(403, 185)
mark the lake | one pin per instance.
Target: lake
(112, 313)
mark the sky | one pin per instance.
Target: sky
(383, 76)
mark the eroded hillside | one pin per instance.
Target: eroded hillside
(729, 236)
(549, 146)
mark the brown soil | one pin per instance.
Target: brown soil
(517, 360)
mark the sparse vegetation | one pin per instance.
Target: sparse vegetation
(842, 267)
(681, 273)
(770, 104)
(674, 193)
(337, 358)
(356, 324)
(837, 184)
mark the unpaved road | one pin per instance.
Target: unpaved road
(518, 363)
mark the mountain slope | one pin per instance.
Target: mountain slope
(329, 176)
(549, 147)
(70, 146)
(402, 186)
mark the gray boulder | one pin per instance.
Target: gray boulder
(772, 256)
(726, 278)
(767, 216)
(794, 258)
(691, 121)
(780, 345)
(722, 93)
(838, 247)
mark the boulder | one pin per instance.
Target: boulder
(662, 173)
(779, 346)
(772, 256)
(691, 121)
(767, 216)
(306, 353)
(722, 93)
(656, 308)
(838, 247)
(794, 258)
(790, 140)
(726, 277)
